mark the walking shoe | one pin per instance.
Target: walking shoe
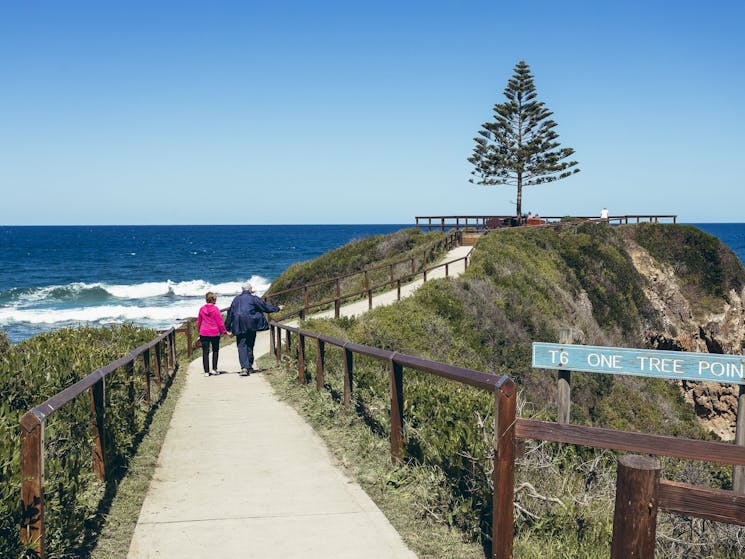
(244, 372)
(215, 372)
(206, 373)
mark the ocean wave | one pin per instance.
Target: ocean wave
(100, 314)
(102, 292)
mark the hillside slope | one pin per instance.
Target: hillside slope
(646, 286)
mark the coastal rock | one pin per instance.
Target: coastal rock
(684, 330)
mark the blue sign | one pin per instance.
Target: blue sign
(680, 365)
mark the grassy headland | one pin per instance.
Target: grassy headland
(523, 286)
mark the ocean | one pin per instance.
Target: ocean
(155, 276)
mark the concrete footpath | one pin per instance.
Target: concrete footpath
(242, 475)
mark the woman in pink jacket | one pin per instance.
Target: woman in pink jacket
(210, 326)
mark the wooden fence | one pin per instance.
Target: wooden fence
(487, 222)
(502, 388)
(159, 357)
(640, 493)
(392, 280)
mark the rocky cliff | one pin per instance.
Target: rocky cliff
(686, 325)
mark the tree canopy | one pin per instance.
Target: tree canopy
(519, 147)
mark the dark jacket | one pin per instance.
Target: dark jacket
(247, 313)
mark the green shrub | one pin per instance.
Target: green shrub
(395, 249)
(36, 369)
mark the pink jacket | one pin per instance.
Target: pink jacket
(209, 321)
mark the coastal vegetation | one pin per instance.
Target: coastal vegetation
(519, 146)
(400, 253)
(525, 285)
(36, 369)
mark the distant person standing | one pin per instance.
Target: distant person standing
(210, 326)
(245, 318)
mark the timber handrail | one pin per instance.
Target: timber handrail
(502, 387)
(32, 428)
(702, 502)
(301, 312)
(369, 288)
(448, 242)
(486, 222)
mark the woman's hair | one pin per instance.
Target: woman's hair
(210, 297)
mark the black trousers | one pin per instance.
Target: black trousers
(207, 342)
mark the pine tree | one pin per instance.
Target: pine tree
(519, 147)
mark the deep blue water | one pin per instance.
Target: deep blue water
(52, 277)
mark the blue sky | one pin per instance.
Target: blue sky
(348, 112)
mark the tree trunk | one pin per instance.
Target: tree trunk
(519, 197)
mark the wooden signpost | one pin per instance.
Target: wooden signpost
(676, 365)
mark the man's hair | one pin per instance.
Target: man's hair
(248, 287)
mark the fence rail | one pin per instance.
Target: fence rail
(487, 222)
(503, 389)
(631, 534)
(392, 280)
(158, 356)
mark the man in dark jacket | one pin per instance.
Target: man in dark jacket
(245, 318)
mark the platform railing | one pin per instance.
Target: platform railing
(488, 222)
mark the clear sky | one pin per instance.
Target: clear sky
(348, 112)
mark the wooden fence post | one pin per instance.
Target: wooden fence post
(738, 472)
(279, 346)
(503, 475)
(172, 341)
(32, 483)
(288, 347)
(301, 359)
(348, 374)
(146, 381)
(320, 358)
(273, 341)
(635, 514)
(566, 336)
(129, 372)
(337, 300)
(189, 341)
(397, 411)
(98, 428)
(156, 366)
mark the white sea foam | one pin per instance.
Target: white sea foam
(136, 291)
(187, 298)
(101, 313)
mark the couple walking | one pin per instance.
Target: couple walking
(245, 318)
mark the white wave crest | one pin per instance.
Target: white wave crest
(186, 304)
(145, 290)
(102, 313)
